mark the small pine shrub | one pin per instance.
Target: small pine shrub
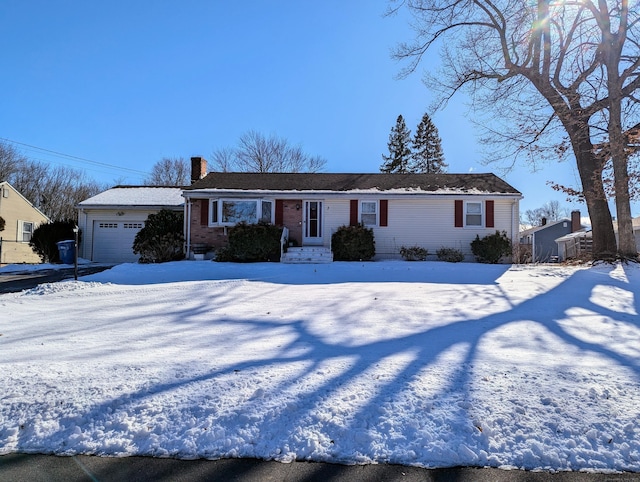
(44, 239)
(414, 253)
(161, 238)
(450, 255)
(250, 243)
(353, 243)
(491, 248)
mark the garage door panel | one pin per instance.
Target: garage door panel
(113, 241)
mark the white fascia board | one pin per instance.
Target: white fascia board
(310, 194)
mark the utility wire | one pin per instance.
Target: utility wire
(96, 163)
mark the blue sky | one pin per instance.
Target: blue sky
(123, 84)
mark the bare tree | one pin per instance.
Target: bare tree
(551, 211)
(56, 191)
(10, 161)
(540, 68)
(258, 153)
(169, 171)
(223, 159)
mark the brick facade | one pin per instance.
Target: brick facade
(201, 233)
(292, 219)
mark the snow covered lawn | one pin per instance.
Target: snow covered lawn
(426, 363)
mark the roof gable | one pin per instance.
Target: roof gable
(431, 183)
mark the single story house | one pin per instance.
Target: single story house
(110, 220)
(538, 244)
(427, 210)
(21, 218)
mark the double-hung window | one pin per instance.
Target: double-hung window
(26, 231)
(228, 212)
(473, 214)
(369, 213)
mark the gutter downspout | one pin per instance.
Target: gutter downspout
(187, 227)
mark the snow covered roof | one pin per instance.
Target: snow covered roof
(339, 182)
(136, 196)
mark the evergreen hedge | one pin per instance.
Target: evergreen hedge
(44, 238)
(353, 243)
(491, 248)
(161, 238)
(249, 243)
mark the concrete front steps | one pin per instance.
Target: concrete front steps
(308, 255)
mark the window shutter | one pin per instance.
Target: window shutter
(204, 212)
(458, 221)
(279, 212)
(490, 222)
(353, 216)
(384, 212)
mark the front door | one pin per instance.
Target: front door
(312, 223)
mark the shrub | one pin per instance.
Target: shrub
(251, 243)
(491, 248)
(2, 223)
(161, 239)
(353, 243)
(44, 238)
(414, 253)
(451, 255)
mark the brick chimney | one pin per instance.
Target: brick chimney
(198, 168)
(575, 221)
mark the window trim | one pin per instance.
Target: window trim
(216, 206)
(481, 214)
(361, 212)
(21, 231)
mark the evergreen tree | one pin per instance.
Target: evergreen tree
(427, 156)
(399, 149)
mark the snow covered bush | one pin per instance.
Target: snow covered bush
(451, 255)
(491, 248)
(353, 243)
(161, 238)
(414, 253)
(252, 243)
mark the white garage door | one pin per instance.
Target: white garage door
(113, 241)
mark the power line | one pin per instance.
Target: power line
(68, 156)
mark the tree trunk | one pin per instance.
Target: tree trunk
(590, 170)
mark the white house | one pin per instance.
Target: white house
(427, 210)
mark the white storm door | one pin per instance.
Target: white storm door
(312, 223)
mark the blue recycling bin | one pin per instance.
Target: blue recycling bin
(67, 251)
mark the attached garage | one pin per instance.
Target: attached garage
(110, 220)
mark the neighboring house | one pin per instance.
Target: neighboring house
(21, 219)
(427, 210)
(538, 244)
(636, 231)
(110, 220)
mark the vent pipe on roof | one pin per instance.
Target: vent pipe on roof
(198, 168)
(543, 222)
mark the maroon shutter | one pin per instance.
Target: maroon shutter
(384, 212)
(458, 220)
(204, 212)
(353, 217)
(279, 212)
(490, 223)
